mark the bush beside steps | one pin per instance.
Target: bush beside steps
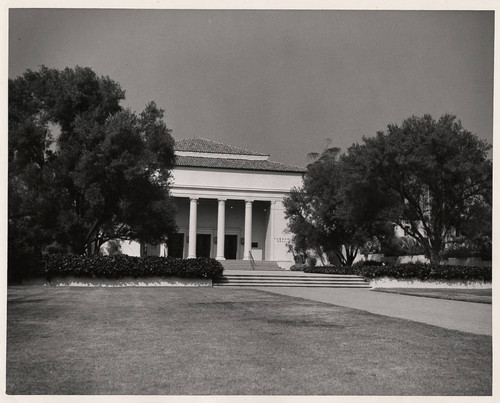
(119, 266)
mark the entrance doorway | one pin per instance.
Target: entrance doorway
(203, 245)
(230, 246)
(175, 245)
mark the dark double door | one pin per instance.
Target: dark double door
(203, 245)
(176, 245)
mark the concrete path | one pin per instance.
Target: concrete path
(458, 315)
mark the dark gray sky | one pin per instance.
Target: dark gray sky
(280, 82)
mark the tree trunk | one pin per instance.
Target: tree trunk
(346, 254)
(434, 256)
(435, 250)
(351, 253)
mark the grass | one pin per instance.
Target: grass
(469, 295)
(203, 341)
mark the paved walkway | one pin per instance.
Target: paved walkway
(458, 315)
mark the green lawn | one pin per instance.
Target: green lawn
(469, 295)
(228, 341)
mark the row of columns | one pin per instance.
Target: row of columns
(221, 224)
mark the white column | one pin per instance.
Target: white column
(270, 251)
(221, 224)
(193, 215)
(248, 229)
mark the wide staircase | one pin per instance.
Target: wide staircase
(282, 278)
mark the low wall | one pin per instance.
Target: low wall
(70, 281)
(412, 259)
(389, 282)
(379, 257)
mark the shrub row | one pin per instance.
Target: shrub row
(410, 270)
(369, 263)
(298, 267)
(118, 266)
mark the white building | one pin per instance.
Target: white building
(229, 204)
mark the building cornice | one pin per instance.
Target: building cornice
(228, 193)
(229, 189)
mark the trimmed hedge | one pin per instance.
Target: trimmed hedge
(118, 266)
(411, 270)
(298, 267)
(369, 263)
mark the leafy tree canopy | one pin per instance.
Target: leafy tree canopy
(435, 178)
(431, 178)
(326, 213)
(82, 169)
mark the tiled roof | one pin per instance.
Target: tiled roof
(227, 163)
(199, 144)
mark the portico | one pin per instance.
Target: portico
(227, 228)
(229, 203)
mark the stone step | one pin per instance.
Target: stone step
(290, 279)
(245, 284)
(246, 265)
(293, 280)
(292, 283)
(285, 276)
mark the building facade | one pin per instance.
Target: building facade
(229, 204)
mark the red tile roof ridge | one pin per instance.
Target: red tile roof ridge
(229, 163)
(227, 148)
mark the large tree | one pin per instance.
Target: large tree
(82, 169)
(435, 177)
(327, 214)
